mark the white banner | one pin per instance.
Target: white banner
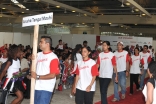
(37, 19)
(127, 40)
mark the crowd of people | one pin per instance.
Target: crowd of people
(62, 67)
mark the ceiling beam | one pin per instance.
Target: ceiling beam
(9, 16)
(114, 19)
(11, 8)
(135, 5)
(64, 6)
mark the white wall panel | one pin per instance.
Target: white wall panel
(67, 39)
(17, 38)
(1, 39)
(8, 37)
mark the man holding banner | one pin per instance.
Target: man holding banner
(46, 71)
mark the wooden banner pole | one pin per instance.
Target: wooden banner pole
(33, 67)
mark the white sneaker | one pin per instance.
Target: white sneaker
(64, 87)
(71, 96)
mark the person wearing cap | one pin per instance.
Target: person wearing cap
(122, 63)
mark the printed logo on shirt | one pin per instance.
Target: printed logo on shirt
(136, 60)
(119, 57)
(84, 67)
(104, 58)
(43, 60)
(144, 56)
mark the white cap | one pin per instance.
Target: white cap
(120, 42)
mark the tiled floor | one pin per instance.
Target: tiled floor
(63, 96)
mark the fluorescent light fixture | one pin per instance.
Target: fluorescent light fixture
(27, 9)
(83, 23)
(110, 23)
(121, 26)
(3, 8)
(22, 12)
(62, 23)
(73, 11)
(128, 4)
(136, 24)
(143, 14)
(57, 6)
(36, 0)
(85, 14)
(18, 4)
(136, 10)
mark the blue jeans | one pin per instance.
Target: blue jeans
(121, 82)
(142, 77)
(42, 97)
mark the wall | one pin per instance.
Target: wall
(80, 30)
(154, 44)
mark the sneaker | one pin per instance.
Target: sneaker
(64, 87)
(123, 96)
(140, 89)
(115, 100)
(71, 96)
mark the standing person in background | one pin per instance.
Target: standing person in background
(47, 69)
(107, 62)
(75, 58)
(85, 83)
(135, 62)
(153, 55)
(4, 57)
(147, 59)
(85, 44)
(122, 60)
(60, 45)
(150, 50)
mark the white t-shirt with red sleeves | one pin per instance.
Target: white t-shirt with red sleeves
(135, 62)
(86, 70)
(47, 63)
(106, 61)
(121, 59)
(147, 58)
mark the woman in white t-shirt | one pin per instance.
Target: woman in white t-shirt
(136, 62)
(75, 58)
(85, 83)
(107, 63)
(12, 83)
(149, 90)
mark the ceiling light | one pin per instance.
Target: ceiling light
(135, 24)
(83, 23)
(3, 8)
(37, 0)
(101, 14)
(57, 6)
(110, 23)
(65, 11)
(136, 10)
(121, 26)
(128, 4)
(22, 12)
(85, 14)
(62, 23)
(1, 16)
(73, 11)
(92, 27)
(122, 5)
(143, 14)
(27, 9)
(18, 4)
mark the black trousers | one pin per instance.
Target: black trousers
(83, 97)
(104, 83)
(134, 79)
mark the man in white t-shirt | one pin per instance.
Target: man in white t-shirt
(122, 63)
(147, 59)
(47, 69)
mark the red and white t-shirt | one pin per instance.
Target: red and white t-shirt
(47, 63)
(106, 62)
(121, 59)
(86, 70)
(147, 58)
(135, 62)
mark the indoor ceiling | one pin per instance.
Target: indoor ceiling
(95, 7)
